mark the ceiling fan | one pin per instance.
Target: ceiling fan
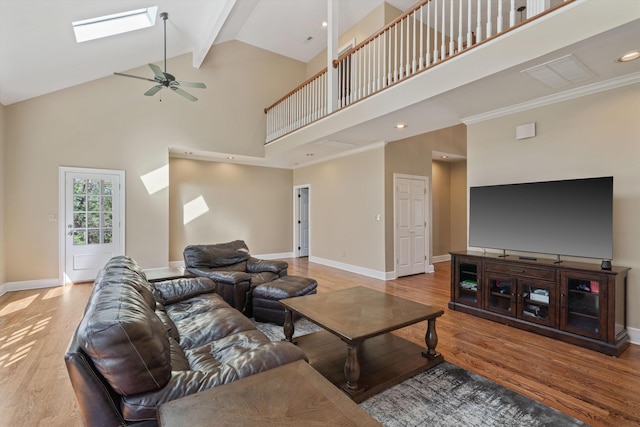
(164, 79)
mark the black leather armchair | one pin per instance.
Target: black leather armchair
(234, 269)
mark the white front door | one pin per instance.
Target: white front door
(411, 225)
(92, 221)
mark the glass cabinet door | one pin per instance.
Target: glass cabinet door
(467, 282)
(537, 302)
(501, 292)
(584, 312)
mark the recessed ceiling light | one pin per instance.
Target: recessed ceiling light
(629, 56)
(325, 23)
(401, 126)
(118, 23)
(230, 157)
(444, 157)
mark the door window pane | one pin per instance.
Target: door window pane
(92, 216)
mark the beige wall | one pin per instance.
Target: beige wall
(458, 211)
(3, 251)
(412, 156)
(592, 136)
(108, 123)
(441, 207)
(250, 203)
(346, 195)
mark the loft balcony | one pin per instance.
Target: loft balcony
(427, 65)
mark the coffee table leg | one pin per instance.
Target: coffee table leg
(352, 367)
(431, 339)
(289, 329)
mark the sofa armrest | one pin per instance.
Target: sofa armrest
(255, 265)
(171, 291)
(223, 276)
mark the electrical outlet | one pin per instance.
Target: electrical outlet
(52, 217)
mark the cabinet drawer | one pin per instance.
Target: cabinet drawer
(522, 270)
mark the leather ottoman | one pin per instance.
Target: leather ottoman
(266, 297)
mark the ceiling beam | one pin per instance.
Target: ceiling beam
(211, 32)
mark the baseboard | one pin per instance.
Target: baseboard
(27, 285)
(176, 264)
(634, 335)
(274, 256)
(441, 258)
(352, 268)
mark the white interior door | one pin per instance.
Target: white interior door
(92, 221)
(301, 221)
(411, 225)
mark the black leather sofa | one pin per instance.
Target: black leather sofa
(141, 344)
(236, 271)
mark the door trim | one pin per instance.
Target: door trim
(62, 172)
(427, 230)
(296, 217)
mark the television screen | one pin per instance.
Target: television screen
(570, 217)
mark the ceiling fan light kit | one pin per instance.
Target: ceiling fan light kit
(164, 79)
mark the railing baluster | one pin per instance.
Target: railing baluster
(469, 32)
(460, 40)
(512, 14)
(489, 20)
(443, 47)
(421, 23)
(428, 57)
(479, 23)
(451, 30)
(435, 32)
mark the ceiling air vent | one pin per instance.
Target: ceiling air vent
(560, 72)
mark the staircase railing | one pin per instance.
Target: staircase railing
(426, 35)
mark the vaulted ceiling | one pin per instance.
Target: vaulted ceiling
(39, 54)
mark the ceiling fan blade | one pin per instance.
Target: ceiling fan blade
(191, 84)
(183, 93)
(135, 77)
(158, 72)
(153, 90)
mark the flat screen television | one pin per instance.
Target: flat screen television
(569, 217)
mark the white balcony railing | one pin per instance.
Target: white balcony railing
(424, 36)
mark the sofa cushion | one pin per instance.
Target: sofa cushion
(193, 306)
(126, 341)
(209, 326)
(171, 291)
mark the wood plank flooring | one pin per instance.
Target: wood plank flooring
(36, 326)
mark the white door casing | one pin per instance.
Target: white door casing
(411, 231)
(91, 215)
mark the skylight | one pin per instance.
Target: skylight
(118, 23)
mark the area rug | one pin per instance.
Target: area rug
(447, 396)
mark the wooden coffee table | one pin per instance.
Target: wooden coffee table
(291, 395)
(362, 318)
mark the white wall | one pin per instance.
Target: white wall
(596, 135)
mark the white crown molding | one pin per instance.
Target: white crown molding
(625, 80)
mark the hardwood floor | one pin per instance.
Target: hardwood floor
(36, 326)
